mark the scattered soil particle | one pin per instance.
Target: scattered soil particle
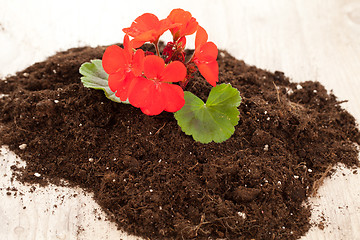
(165, 185)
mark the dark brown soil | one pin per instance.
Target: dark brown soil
(156, 182)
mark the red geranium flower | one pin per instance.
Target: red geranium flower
(205, 57)
(187, 24)
(147, 28)
(156, 93)
(122, 65)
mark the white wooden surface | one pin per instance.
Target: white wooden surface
(307, 39)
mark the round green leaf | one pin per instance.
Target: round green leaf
(213, 120)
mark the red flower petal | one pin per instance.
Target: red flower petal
(153, 66)
(121, 84)
(153, 97)
(190, 28)
(136, 44)
(163, 96)
(125, 87)
(147, 96)
(201, 37)
(138, 62)
(114, 80)
(151, 36)
(141, 24)
(179, 15)
(128, 46)
(173, 97)
(164, 25)
(187, 24)
(155, 102)
(114, 59)
(208, 52)
(147, 27)
(210, 71)
(174, 72)
(141, 90)
(181, 42)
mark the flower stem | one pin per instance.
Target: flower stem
(184, 83)
(156, 43)
(191, 59)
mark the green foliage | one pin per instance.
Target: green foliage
(213, 120)
(95, 77)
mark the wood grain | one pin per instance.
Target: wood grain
(308, 40)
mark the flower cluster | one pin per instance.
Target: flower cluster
(155, 82)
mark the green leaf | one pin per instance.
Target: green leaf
(213, 120)
(95, 77)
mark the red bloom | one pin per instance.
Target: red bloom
(147, 28)
(123, 66)
(174, 51)
(187, 24)
(205, 57)
(156, 93)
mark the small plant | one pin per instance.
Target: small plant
(155, 82)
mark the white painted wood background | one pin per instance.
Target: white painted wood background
(306, 39)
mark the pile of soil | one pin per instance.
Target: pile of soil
(155, 181)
